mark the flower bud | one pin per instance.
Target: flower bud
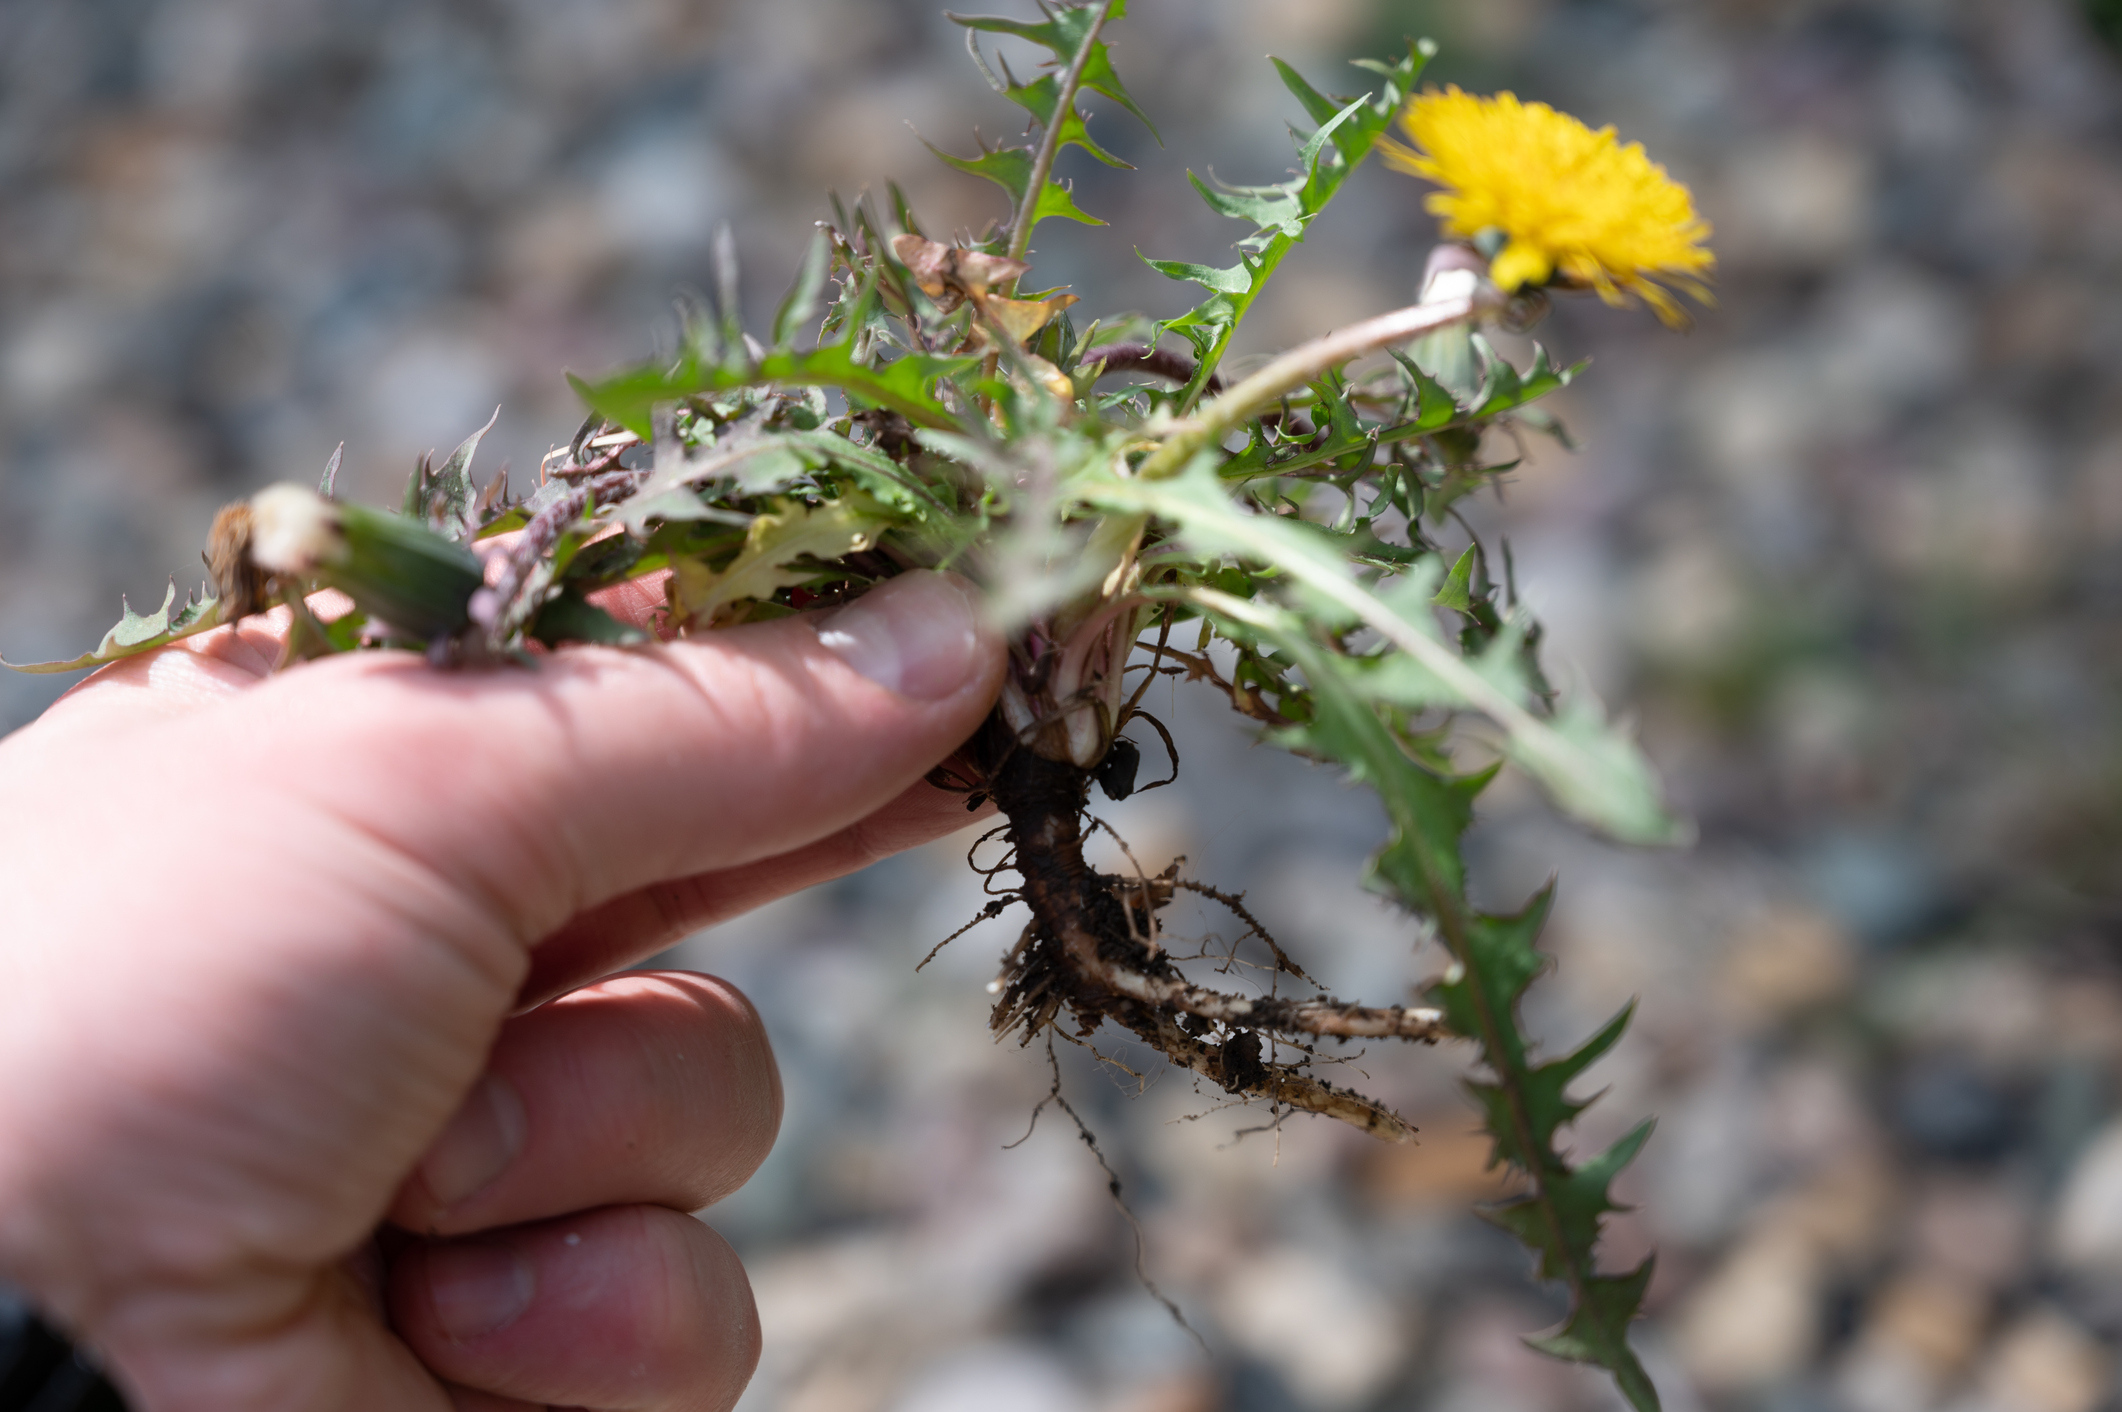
(406, 577)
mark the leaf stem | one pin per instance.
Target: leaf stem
(1020, 230)
(1293, 370)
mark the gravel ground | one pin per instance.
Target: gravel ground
(1847, 552)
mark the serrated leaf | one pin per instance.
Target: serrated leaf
(774, 542)
(1282, 212)
(801, 304)
(1597, 1332)
(136, 633)
(569, 617)
(1063, 34)
(1007, 167)
(1454, 591)
(1058, 200)
(901, 385)
(1593, 773)
(449, 495)
(1317, 106)
(1099, 77)
(1504, 387)
(1269, 207)
(1434, 404)
(1042, 99)
(1237, 279)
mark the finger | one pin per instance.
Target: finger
(633, 1307)
(302, 1341)
(641, 923)
(654, 1087)
(548, 792)
(471, 1400)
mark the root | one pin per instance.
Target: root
(1236, 1066)
(1091, 948)
(1112, 1187)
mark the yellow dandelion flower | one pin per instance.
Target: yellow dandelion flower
(1570, 203)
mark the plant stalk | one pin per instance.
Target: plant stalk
(1295, 369)
(1020, 231)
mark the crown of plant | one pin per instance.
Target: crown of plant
(1570, 204)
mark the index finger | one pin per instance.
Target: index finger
(601, 771)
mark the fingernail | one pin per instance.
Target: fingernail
(917, 634)
(477, 1146)
(477, 1288)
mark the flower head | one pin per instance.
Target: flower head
(1569, 202)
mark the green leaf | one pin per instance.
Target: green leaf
(1594, 771)
(901, 385)
(137, 632)
(1454, 592)
(1063, 34)
(1058, 200)
(1281, 213)
(445, 497)
(1316, 104)
(1238, 279)
(775, 541)
(1434, 404)
(1007, 167)
(801, 305)
(1269, 207)
(1099, 77)
(1591, 772)
(1042, 99)
(1597, 1333)
(1504, 387)
(569, 617)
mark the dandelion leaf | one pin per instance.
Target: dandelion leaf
(1237, 279)
(902, 385)
(1347, 131)
(569, 617)
(138, 632)
(772, 547)
(800, 305)
(1593, 770)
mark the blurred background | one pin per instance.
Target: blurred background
(1850, 553)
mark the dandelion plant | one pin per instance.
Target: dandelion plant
(1133, 511)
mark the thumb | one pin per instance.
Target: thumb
(606, 770)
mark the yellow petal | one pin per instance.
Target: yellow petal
(1520, 264)
(1566, 197)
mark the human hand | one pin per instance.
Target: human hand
(268, 942)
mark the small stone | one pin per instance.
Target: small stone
(1336, 1342)
(1978, 1229)
(1919, 1331)
(1950, 1108)
(1797, 201)
(1785, 960)
(2086, 1233)
(1755, 1321)
(2046, 1363)
(1935, 1315)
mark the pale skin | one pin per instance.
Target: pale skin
(324, 1087)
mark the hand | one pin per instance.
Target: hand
(269, 942)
